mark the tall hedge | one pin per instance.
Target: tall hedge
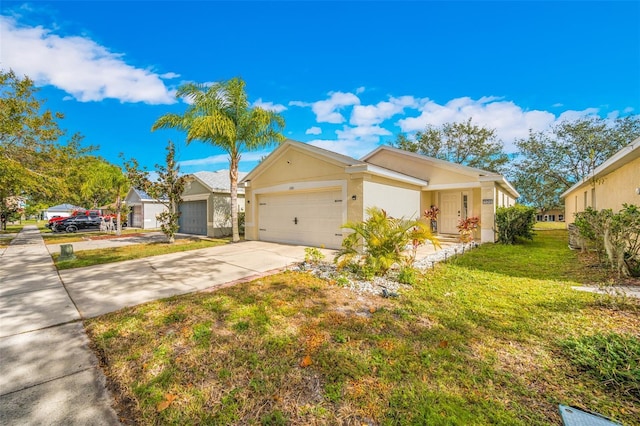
(515, 222)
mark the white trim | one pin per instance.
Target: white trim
(382, 172)
(196, 197)
(448, 186)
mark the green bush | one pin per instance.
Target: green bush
(380, 242)
(615, 236)
(515, 222)
(613, 359)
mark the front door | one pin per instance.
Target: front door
(450, 212)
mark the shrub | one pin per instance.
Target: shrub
(381, 241)
(615, 236)
(313, 255)
(515, 222)
(467, 227)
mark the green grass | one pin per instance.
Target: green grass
(480, 340)
(546, 226)
(134, 251)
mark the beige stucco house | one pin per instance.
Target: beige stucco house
(614, 183)
(302, 194)
(206, 204)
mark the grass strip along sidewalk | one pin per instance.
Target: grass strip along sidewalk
(496, 336)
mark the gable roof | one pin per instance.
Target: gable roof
(350, 164)
(143, 196)
(353, 165)
(218, 181)
(64, 207)
(617, 160)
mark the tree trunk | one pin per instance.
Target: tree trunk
(233, 178)
(118, 209)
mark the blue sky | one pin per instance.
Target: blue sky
(347, 76)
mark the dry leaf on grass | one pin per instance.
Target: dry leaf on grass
(306, 361)
(163, 405)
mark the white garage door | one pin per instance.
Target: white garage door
(309, 218)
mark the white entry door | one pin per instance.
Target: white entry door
(450, 212)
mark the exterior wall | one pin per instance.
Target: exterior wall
(150, 211)
(219, 214)
(396, 201)
(609, 192)
(489, 199)
(435, 174)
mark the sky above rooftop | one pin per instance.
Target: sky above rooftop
(346, 76)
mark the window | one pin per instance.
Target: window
(585, 200)
(465, 206)
(552, 218)
(561, 217)
(593, 198)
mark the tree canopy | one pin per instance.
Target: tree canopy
(220, 115)
(463, 143)
(550, 162)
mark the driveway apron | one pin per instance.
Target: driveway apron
(48, 374)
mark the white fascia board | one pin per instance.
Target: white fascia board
(448, 186)
(382, 172)
(502, 181)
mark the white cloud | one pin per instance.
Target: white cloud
(509, 120)
(327, 111)
(313, 131)
(557, 105)
(628, 110)
(269, 106)
(367, 115)
(78, 65)
(359, 90)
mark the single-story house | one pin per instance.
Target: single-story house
(302, 194)
(550, 215)
(61, 210)
(144, 209)
(206, 203)
(612, 184)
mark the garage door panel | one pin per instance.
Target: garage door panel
(193, 218)
(318, 216)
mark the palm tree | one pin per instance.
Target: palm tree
(220, 114)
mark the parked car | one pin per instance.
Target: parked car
(76, 223)
(54, 220)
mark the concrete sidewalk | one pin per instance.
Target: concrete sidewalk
(48, 374)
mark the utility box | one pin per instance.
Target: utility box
(66, 252)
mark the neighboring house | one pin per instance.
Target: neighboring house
(61, 210)
(144, 209)
(551, 215)
(206, 204)
(302, 194)
(612, 184)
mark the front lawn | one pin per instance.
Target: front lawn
(134, 251)
(496, 336)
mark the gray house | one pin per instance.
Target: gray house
(144, 209)
(206, 204)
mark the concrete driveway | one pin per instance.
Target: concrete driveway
(97, 290)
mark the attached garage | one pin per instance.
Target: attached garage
(193, 217)
(307, 218)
